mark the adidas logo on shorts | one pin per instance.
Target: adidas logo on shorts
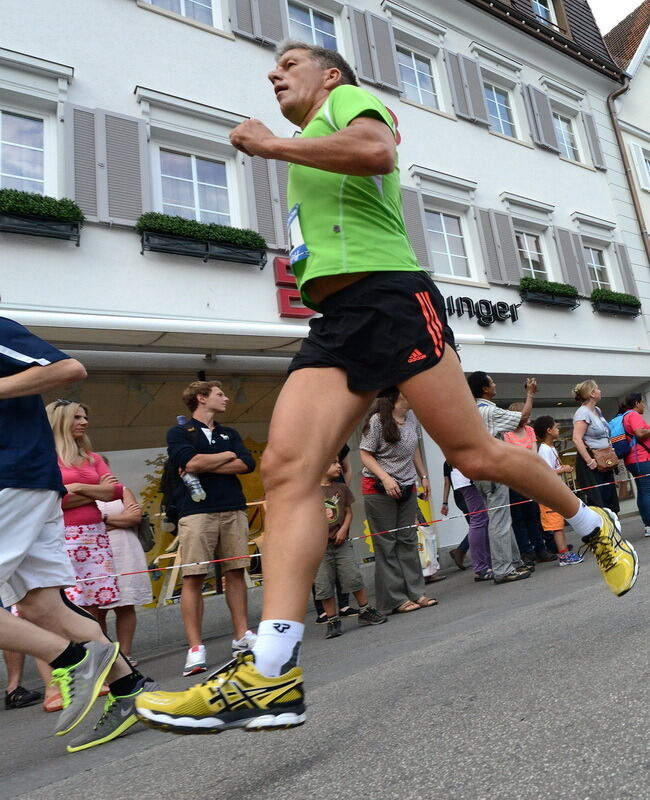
(416, 355)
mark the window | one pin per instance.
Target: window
(596, 267)
(21, 153)
(199, 10)
(566, 137)
(417, 78)
(308, 25)
(194, 188)
(544, 10)
(530, 255)
(446, 244)
(499, 111)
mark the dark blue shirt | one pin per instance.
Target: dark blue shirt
(27, 453)
(224, 492)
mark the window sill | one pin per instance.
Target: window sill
(512, 139)
(186, 20)
(458, 281)
(431, 110)
(577, 164)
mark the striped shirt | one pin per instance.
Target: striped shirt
(497, 420)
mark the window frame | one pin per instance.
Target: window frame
(434, 208)
(326, 12)
(50, 149)
(232, 177)
(563, 114)
(496, 85)
(554, 21)
(603, 249)
(523, 230)
(216, 8)
(434, 74)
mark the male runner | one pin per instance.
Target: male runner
(353, 262)
(34, 565)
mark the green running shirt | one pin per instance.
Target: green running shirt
(342, 224)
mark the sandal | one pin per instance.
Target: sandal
(53, 703)
(426, 602)
(406, 607)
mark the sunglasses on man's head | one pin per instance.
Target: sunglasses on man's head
(60, 402)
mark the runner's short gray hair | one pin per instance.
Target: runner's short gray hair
(324, 57)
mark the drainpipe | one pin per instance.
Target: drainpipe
(626, 163)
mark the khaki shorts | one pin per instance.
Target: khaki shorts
(222, 534)
(338, 562)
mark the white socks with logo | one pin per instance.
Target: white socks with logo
(277, 648)
(585, 521)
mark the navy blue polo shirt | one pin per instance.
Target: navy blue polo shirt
(27, 452)
(223, 492)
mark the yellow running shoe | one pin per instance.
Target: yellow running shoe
(614, 555)
(235, 696)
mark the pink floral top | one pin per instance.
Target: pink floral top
(88, 472)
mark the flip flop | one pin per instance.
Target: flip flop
(426, 602)
(404, 607)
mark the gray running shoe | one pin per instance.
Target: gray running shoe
(116, 718)
(81, 683)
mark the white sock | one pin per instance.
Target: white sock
(277, 648)
(585, 521)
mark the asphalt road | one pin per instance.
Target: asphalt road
(529, 691)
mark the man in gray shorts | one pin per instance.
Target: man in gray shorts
(34, 565)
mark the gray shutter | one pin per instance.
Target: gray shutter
(382, 43)
(362, 45)
(572, 259)
(242, 17)
(415, 220)
(625, 268)
(457, 84)
(594, 141)
(81, 158)
(474, 90)
(124, 194)
(493, 265)
(261, 196)
(541, 119)
(282, 174)
(273, 20)
(639, 156)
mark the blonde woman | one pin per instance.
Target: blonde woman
(591, 432)
(87, 479)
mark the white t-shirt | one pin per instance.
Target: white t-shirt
(549, 454)
(458, 480)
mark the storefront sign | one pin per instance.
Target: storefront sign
(485, 311)
(289, 303)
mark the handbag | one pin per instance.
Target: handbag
(145, 533)
(606, 458)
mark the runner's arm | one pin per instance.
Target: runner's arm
(365, 147)
(36, 380)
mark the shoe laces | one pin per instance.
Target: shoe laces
(64, 678)
(603, 551)
(108, 707)
(226, 671)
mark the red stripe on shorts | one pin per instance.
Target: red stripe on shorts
(432, 321)
(436, 318)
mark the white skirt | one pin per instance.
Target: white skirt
(128, 556)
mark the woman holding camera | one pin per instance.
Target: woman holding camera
(392, 462)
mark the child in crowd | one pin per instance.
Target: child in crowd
(547, 431)
(339, 560)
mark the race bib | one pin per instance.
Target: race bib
(298, 250)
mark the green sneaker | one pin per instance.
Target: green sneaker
(81, 683)
(116, 718)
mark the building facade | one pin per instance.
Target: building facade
(509, 164)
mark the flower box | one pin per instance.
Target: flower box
(546, 299)
(201, 248)
(619, 309)
(40, 226)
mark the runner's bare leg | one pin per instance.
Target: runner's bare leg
(313, 417)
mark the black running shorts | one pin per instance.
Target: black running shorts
(381, 330)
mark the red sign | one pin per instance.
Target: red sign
(289, 303)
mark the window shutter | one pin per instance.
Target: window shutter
(374, 48)
(261, 198)
(467, 87)
(282, 174)
(572, 260)
(415, 220)
(81, 158)
(242, 17)
(541, 119)
(497, 235)
(273, 20)
(594, 141)
(124, 193)
(457, 83)
(625, 268)
(639, 157)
